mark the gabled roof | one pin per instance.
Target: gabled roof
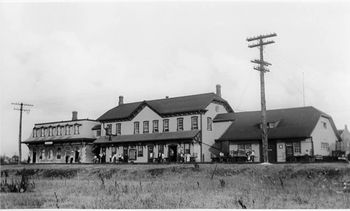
(153, 137)
(165, 107)
(294, 123)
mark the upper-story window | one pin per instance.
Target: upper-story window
(50, 131)
(66, 130)
(324, 125)
(166, 125)
(118, 128)
(109, 129)
(54, 131)
(194, 123)
(76, 129)
(70, 129)
(155, 126)
(145, 126)
(180, 124)
(46, 131)
(62, 130)
(98, 132)
(42, 132)
(136, 127)
(34, 133)
(209, 124)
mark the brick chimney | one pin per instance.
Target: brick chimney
(218, 90)
(74, 115)
(121, 100)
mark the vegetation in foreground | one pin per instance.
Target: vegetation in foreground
(325, 185)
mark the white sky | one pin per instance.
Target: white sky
(81, 56)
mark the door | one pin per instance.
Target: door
(77, 156)
(150, 154)
(172, 153)
(289, 151)
(272, 155)
(125, 154)
(34, 157)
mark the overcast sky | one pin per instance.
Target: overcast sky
(81, 56)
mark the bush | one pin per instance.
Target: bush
(60, 173)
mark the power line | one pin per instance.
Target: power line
(21, 109)
(262, 69)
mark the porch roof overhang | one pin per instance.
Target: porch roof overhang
(285, 139)
(150, 137)
(58, 140)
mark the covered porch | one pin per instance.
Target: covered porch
(169, 147)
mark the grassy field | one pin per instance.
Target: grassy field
(324, 185)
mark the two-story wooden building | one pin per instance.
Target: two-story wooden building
(168, 129)
(63, 141)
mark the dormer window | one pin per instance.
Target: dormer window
(271, 125)
(324, 124)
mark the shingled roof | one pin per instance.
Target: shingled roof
(165, 106)
(294, 123)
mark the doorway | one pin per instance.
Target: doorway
(272, 154)
(150, 153)
(34, 157)
(289, 152)
(172, 153)
(77, 156)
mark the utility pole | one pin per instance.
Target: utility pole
(20, 109)
(261, 43)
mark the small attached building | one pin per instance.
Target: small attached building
(292, 134)
(62, 141)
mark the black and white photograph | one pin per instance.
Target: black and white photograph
(175, 104)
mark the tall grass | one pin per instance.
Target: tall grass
(186, 186)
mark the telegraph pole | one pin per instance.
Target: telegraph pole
(261, 43)
(20, 109)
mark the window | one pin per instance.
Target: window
(58, 155)
(109, 130)
(34, 132)
(42, 132)
(325, 146)
(297, 147)
(50, 154)
(46, 131)
(180, 124)
(272, 124)
(70, 129)
(324, 125)
(155, 126)
(118, 128)
(243, 149)
(58, 131)
(42, 155)
(38, 133)
(53, 131)
(194, 123)
(146, 127)
(187, 148)
(66, 130)
(76, 129)
(136, 127)
(98, 132)
(209, 124)
(166, 125)
(140, 151)
(50, 131)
